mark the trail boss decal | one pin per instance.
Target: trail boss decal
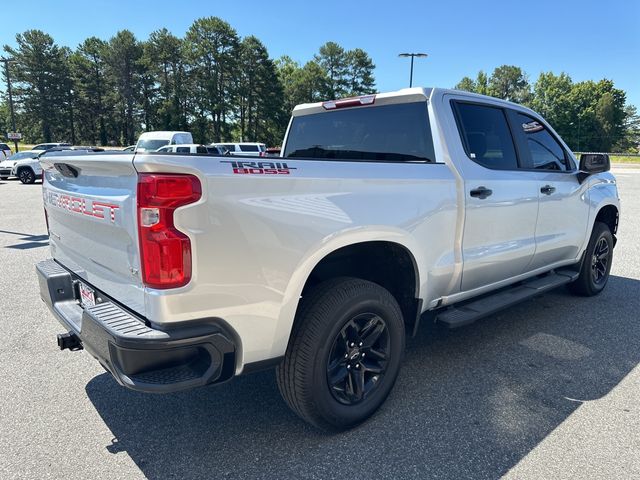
(81, 206)
(260, 168)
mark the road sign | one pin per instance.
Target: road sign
(14, 136)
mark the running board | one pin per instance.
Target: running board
(459, 316)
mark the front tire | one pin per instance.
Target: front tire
(344, 354)
(596, 266)
(27, 176)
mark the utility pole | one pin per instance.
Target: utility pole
(13, 117)
(412, 55)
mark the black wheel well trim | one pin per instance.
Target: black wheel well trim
(609, 215)
(410, 303)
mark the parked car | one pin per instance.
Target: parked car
(217, 150)
(152, 141)
(384, 210)
(47, 146)
(186, 148)
(273, 151)
(246, 148)
(6, 166)
(5, 151)
(29, 170)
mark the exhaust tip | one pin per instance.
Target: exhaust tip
(69, 341)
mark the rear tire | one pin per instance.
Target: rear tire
(344, 354)
(596, 265)
(27, 176)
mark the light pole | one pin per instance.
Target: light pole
(412, 55)
(13, 117)
(73, 133)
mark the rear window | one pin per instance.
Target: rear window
(399, 132)
(486, 136)
(249, 148)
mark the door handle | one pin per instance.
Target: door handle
(547, 189)
(481, 192)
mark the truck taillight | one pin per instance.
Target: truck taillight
(165, 252)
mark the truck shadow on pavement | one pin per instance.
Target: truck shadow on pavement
(27, 240)
(469, 403)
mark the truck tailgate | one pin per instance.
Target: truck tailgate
(90, 201)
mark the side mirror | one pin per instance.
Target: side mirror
(591, 163)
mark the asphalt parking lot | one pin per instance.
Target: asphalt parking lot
(547, 389)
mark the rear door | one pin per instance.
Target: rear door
(564, 202)
(90, 201)
(501, 200)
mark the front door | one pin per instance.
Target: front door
(564, 203)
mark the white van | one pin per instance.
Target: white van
(152, 141)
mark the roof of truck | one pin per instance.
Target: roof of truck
(405, 95)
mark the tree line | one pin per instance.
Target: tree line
(211, 82)
(588, 115)
(222, 87)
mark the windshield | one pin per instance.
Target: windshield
(151, 145)
(21, 156)
(398, 132)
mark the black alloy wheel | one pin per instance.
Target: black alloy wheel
(26, 175)
(358, 359)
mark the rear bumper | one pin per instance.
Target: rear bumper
(138, 356)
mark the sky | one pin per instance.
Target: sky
(587, 39)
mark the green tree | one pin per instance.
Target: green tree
(467, 84)
(123, 61)
(41, 85)
(306, 84)
(359, 75)
(332, 58)
(259, 92)
(509, 83)
(92, 89)
(163, 60)
(211, 50)
(551, 99)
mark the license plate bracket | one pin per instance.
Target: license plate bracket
(87, 295)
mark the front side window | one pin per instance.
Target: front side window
(486, 136)
(183, 149)
(397, 132)
(546, 153)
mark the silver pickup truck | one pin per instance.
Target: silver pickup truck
(181, 270)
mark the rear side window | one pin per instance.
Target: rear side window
(546, 152)
(399, 132)
(486, 136)
(183, 149)
(249, 148)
